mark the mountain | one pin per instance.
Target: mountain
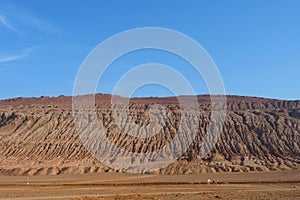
(38, 135)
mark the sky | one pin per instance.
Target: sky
(254, 43)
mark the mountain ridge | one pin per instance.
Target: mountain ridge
(38, 136)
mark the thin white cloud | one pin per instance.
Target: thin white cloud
(15, 57)
(4, 22)
(22, 21)
(39, 24)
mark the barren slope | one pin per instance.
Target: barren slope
(37, 136)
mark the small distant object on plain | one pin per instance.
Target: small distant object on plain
(213, 181)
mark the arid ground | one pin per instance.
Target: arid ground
(38, 136)
(251, 185)
(256, 157)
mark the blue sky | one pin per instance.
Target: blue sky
(255, 44)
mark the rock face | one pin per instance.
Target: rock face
(38, 136)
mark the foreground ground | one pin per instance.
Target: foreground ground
(264, 185)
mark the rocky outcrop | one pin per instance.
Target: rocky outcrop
(38, 136)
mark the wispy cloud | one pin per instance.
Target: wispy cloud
(25, 22)
(38, 24)
(15, 57)
(28, 26)
(4, 22)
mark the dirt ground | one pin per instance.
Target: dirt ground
(258, 185)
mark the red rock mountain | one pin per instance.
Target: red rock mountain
(38, 136)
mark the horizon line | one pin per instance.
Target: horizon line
(150, 96)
